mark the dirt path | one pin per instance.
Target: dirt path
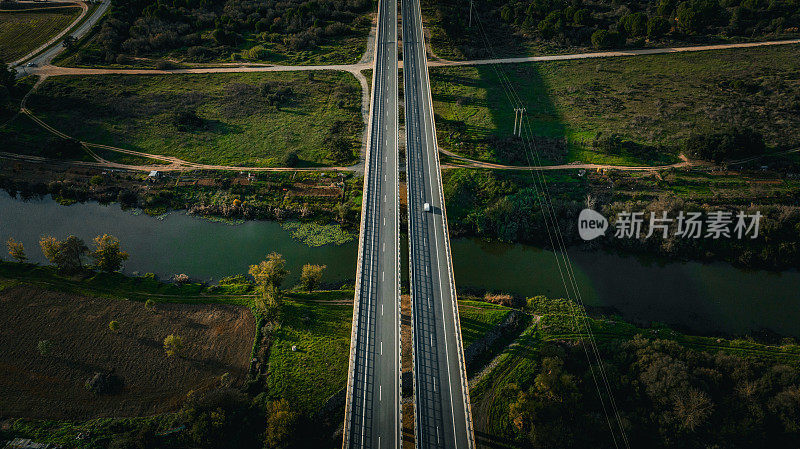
(84, 10)
(472, 163)
(175, 164)
(610, 54)
(51, 70)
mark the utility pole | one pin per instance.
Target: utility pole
(470, 13)
(518, 112)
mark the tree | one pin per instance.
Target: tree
(66, 255)
(695, 16)
(634, 24)
(340, 149)
(281, 423)
(173, 345)
(16, 250)
(69, 41)
(107, 255)
(657, 27)
(268, 303)
(113, 325)
(341, 211)
(49, 245)
(222, 419)
(270, 272)
(45, 347)
(604, 39)
(8, 76)
(291, 159)
(311, 276)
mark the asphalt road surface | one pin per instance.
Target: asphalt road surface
(373, 411)
(442, 412)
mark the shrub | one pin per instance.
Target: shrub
(185, 120)
(45, 347)
(291, 159)
(311, 276)
(732, 143)
(657, 27)
(16, 250)
(635, 25)
(173, 345)
(604, 39)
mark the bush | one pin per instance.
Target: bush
(58, 148)
(45, 347)
(223, 419)
(291, 159)
(604, 39)
(609, 144)
(185, 120)
(166, 65)
(173, 345)
(340, 149)
(635, 25)
(311, 276)
(657, 27)
(732, 143)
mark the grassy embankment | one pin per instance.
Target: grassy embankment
(24, 31)
(654, 102)
(220, 119)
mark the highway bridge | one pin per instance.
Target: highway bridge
(441, 393)
(441, 396)
(373, 407)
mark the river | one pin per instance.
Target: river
(701, 298)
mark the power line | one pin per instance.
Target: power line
(557, 241)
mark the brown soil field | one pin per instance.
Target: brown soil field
(217, 339)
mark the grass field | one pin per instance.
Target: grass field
(655, 102)
(319, 325)
(23, 32)
(477, 318)
(218, 340)
(230, 121)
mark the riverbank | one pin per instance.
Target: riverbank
(318, 196)
(700, 298)
(506, 206)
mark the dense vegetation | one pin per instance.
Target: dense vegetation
(198, 30)
(508, 207)
(310, 196)
(671, 390)
(519, 27)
